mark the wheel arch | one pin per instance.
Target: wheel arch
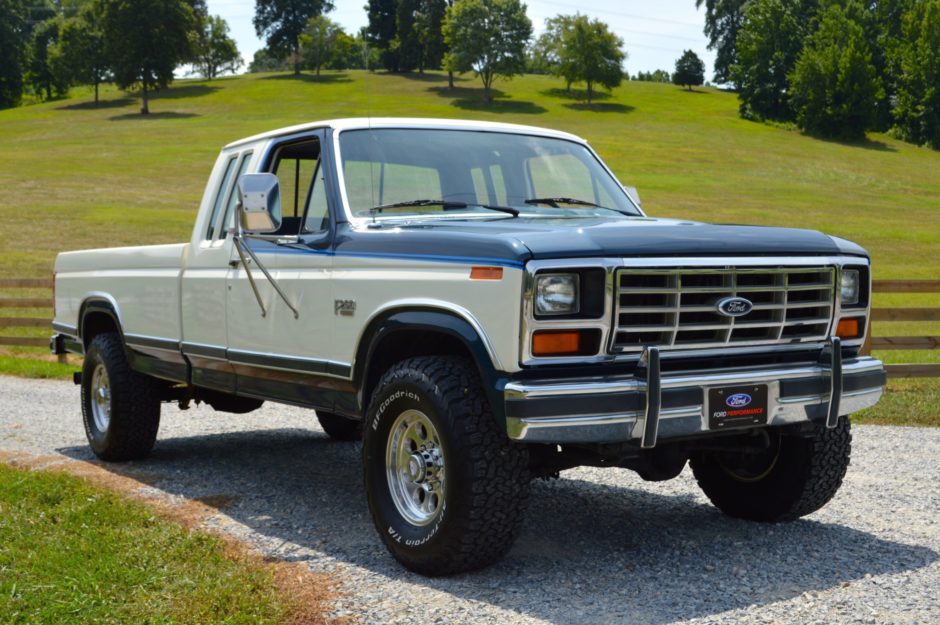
(98, 313)
(400, 333)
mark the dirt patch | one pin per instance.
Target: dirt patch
(309, 596)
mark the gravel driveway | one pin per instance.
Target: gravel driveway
(599, 546)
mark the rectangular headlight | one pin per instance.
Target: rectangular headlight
(851, 286)
(557, 294)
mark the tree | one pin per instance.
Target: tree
(146, 40)
(487, 37)
(769, 43)
(265, 61)
(282, 22)
(347, 52)
(382, 29)
(215, 52)
(13, 37)
(590, 53)
(723, 20)
(544, 55)
(46, 78)
(318, 42)
(430, 23)
(408, 36)
(690, 70)
(834, 84)
(81, 48)
(917, 112)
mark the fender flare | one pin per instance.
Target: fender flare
(99, 304)
(434, 320)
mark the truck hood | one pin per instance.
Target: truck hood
(518, 240)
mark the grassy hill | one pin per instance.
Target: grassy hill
(76, 176)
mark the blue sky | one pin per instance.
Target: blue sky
(655, 31)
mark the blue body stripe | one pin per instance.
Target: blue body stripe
(462, 260)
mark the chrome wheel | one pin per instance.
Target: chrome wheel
(101, 398)
(414, 464)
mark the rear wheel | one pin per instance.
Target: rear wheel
(447, 490)
(120, 407)
(340, 428)
(796, 475)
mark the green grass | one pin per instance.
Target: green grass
(35, 368)
(76, 176)
(73, 553)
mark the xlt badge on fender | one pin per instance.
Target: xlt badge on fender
(734, 306)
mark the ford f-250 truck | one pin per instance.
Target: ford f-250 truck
(483, 304)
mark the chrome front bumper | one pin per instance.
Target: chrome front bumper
(653, 407)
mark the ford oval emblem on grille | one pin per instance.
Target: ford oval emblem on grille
(738, 400)
(734, 306)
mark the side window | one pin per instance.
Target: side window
(220, 197)
(228, 220)
(317, 217)
(295, 165)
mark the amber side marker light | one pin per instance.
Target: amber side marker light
(486, 273)
(556, 343)
(848, 328)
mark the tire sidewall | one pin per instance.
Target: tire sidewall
(401, 536)
(98, 439)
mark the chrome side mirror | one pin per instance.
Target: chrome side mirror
(634, 195)
(259, 203)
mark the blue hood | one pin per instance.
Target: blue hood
(518, 240)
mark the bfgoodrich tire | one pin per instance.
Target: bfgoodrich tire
(798, 474)
(340, 428)
(120, 407)
(447, 490)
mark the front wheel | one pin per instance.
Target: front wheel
(447, 490)
(796, 475)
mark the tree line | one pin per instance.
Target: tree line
(47, 46)
(834, 67)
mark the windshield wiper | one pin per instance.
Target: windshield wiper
(413, 203)
(445, 205)
(555, 201)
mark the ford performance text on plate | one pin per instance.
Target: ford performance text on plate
(482, 304)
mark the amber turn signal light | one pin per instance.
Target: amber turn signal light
(848, 328)
(556, 343)
(486, 273)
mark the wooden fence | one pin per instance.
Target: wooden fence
(874, 343)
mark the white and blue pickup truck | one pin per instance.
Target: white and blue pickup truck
(482, 304)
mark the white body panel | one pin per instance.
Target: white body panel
(142, 282)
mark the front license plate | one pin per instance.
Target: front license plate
(734, 406)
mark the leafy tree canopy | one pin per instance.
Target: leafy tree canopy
(834, 84)
(690, 70)
(146, 40)
(282, 22)
(215, 51)
(769, 43)
(723, 21)
(487, 37)
(590, 53)
(14, 29)
(917, 112)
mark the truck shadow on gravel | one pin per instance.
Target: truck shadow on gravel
(611, 550)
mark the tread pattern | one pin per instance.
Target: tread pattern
(495, 505)
(806, 477)
(135, 403)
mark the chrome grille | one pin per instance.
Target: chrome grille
(678, 307)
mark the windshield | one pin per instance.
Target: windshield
(391, 173)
